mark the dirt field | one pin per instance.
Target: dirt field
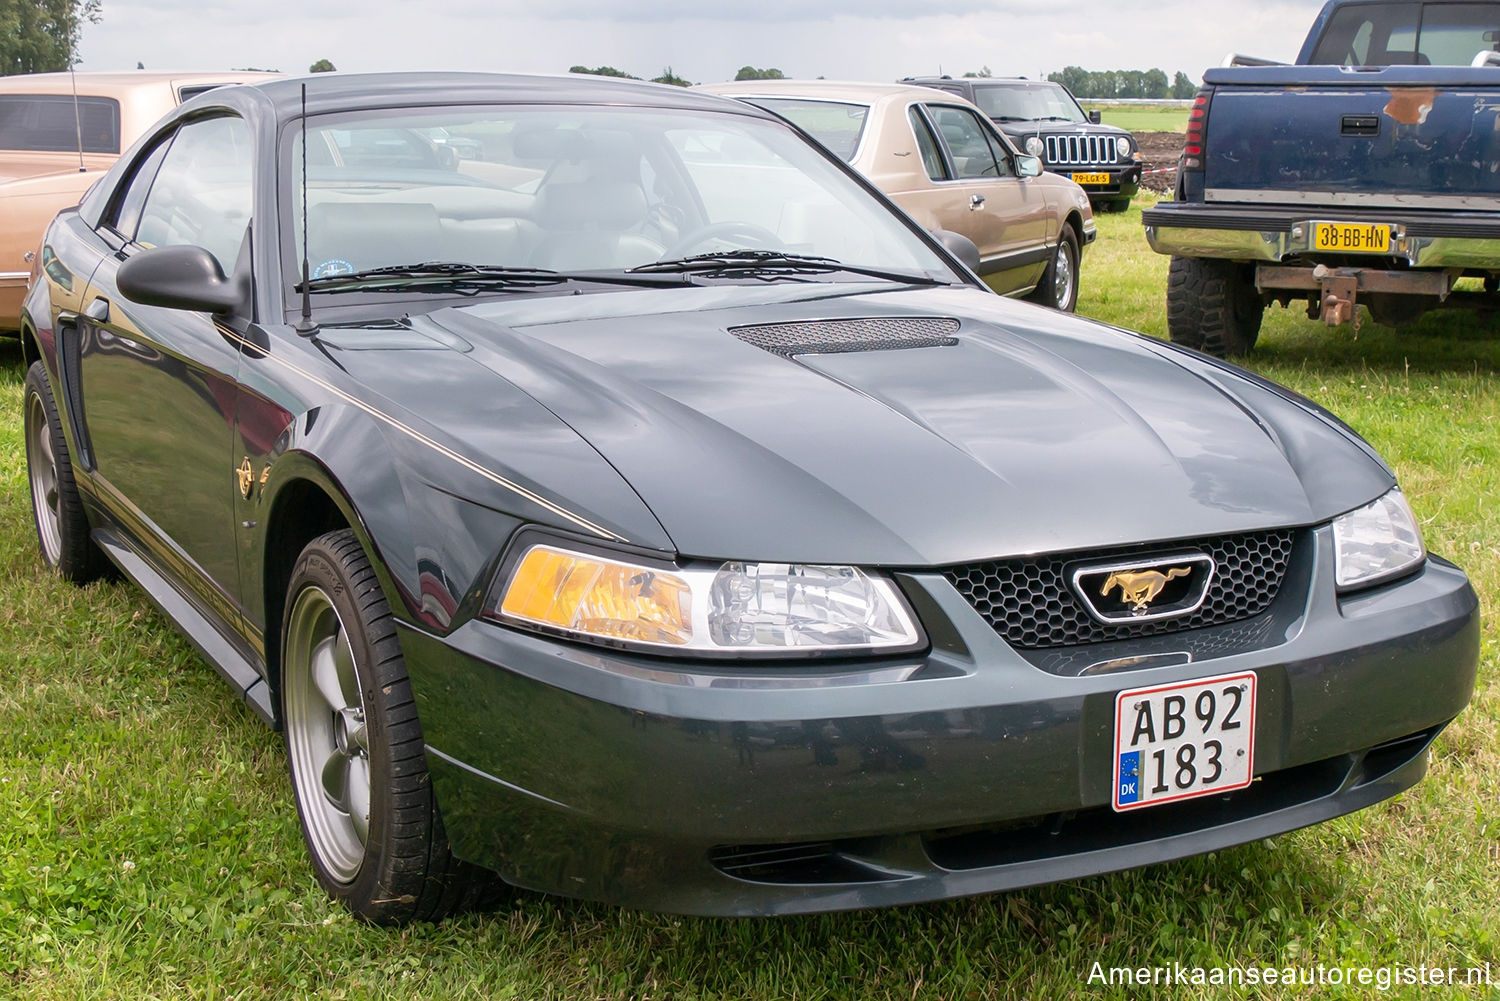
(1158, 150)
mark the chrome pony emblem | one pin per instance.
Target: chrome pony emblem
(1140, 589)
(1144, 589)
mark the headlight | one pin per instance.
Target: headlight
(747, 608)
(1034, 145)
(1377, 541)
(1123, 145)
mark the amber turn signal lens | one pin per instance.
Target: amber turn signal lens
(600, 598)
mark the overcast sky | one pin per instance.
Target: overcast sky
(702, 40)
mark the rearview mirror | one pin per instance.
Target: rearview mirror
(179, 278)
(1029, 166)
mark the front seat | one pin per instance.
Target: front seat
(592, 225)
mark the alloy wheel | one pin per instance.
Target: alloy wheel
(42, 466)
(327, 736)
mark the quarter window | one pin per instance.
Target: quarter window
(927, 145)
(202, 193)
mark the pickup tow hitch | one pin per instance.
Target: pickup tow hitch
(1337, 293)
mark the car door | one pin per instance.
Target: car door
(158, 385)
(975, 191)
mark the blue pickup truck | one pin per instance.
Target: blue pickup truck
(1367, 172)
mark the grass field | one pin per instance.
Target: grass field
(149, 847)
(1143, 118)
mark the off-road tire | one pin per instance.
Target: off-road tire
(401, 869)
(62, 527)
(1213, 306)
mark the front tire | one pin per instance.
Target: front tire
(62, 528)
(1059, 285)
(1213, 306)
(355, 749)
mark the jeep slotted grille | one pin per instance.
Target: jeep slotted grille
(1075, 150)
(1030, 603)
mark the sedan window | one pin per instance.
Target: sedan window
(59, 123)
(835, 124)
(202, 194)
(967, 144)
(927, 145)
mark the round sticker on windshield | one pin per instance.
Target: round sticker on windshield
(334, 268)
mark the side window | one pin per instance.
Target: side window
(126, 215)
(998, 150)
(967, 144)
(202, 193)
(927, 145)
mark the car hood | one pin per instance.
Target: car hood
(1039, 128)
(1030, 431)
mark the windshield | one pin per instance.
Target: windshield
(832, 123)
(1027, 101)
(574, 190)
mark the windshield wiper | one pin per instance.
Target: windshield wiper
(773, 264)
(446, 276)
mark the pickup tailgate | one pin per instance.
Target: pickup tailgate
(1398, 137)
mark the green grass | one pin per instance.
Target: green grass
(149, 847)
(1143, 117)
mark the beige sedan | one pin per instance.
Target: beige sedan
(940, 159)
(52, 147)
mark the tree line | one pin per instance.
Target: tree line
(1145, 84)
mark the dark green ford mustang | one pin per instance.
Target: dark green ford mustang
(640, 509)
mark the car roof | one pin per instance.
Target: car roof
(353, 91)
(824, 90)
(96, 83)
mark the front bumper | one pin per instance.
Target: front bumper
(1124, 179)
(1466, 240)
(694, 788)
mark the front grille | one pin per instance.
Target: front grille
(887, 333)
(1031, 604)
(1077, 150)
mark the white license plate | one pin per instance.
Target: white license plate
(1193, 738)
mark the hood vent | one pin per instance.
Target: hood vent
(821, 337)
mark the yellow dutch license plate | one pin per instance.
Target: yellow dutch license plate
(1090, 178)
(1352, 237)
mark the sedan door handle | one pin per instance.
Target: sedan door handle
(98, 310)
(976, 201)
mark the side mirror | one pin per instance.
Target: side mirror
(179, 278)
(1029, 166)
(959, 246)
(1096, 117)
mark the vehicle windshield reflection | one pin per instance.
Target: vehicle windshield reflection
(546, 195)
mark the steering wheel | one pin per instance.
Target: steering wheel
(746, 231)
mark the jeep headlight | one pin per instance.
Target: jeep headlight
(1033, 146)
(1122, 144)
(1376, 542)
(738, 608)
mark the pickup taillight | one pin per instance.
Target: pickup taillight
(1197, 131)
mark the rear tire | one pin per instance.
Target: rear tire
(62, 528)
(355, 748)
(1213, 306)
(1059, 285)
